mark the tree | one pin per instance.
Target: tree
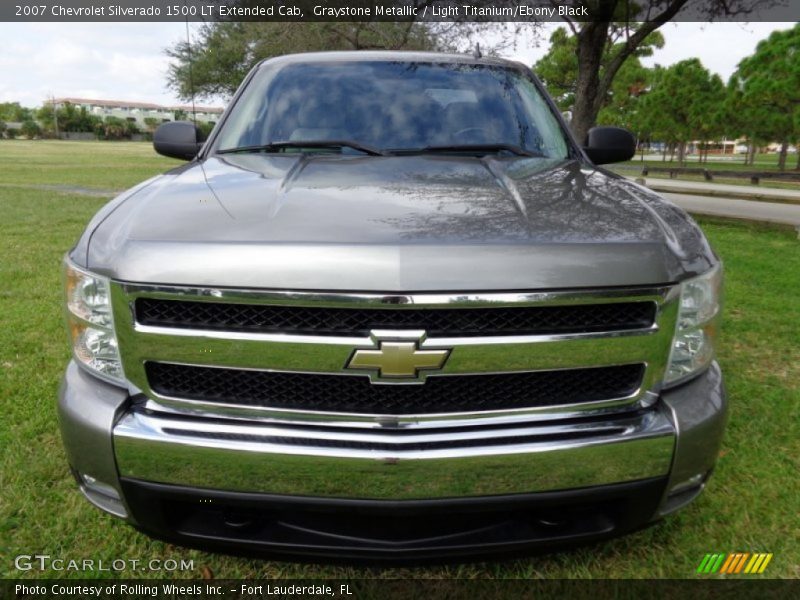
(2, 129)
(226, 51)
(70, 118)
(14, 113)
(558, 70)
(30, 129)
(768, 83)
(683, 105)
(114, 128)
(222, 53)
(151, 123)
(597, 68)
(205, 129)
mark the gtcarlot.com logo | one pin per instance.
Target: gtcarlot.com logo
(42, 562)
(735, 563)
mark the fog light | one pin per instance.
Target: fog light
(687, 484)
(102, 495)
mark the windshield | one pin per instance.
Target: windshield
(394, 107)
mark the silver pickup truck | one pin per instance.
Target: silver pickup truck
(391, 310)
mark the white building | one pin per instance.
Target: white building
(139, 111)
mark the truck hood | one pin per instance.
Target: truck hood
(412, 223)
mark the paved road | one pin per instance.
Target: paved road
(719, 200)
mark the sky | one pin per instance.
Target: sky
(126, 61)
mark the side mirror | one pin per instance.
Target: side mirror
(178, 139)
(609, 145)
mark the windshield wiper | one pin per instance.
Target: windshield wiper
(475, 148)
(278, 146)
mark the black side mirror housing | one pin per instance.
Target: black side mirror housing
(178, 139)
(609, 145)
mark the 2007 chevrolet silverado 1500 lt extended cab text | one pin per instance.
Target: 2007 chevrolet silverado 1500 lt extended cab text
(391, 309)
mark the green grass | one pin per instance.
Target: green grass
(763, 162)
(752, 502)
(98, 165)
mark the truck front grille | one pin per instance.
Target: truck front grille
(285, 355)
(437, 322)
(355, 393)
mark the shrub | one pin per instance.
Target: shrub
(30, 129)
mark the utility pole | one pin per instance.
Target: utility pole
(55, 115)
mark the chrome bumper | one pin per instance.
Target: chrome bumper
(680, 437)
(393, 464)
(114, 450)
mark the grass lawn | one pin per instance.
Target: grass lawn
(735, 162)
(751, 504)
(97, 165)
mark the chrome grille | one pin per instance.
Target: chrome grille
(355, 394)
(453, 322)
(523, 361)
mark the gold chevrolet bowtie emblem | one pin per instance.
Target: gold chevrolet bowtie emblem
(397, 358)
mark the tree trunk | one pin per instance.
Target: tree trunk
(588, 96)
(591, 88)
(782, 156)
(681, 153)
(797, 166)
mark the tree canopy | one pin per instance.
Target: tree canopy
(766, 90)
(13, 112)
(222, 53)
(216, 62)
(69, 118)
(558, 70)
(620, 30)
(628, 23)
(686, 102)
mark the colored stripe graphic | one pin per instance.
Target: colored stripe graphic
(704, 564)
(763, 566)
(740, 564)
(735, 563)
(716, 565)
(728, 561)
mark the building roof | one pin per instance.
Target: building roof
(132, 104)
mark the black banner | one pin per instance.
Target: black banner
(386, 589)
(519, 11)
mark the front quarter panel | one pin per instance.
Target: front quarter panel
(80, 252)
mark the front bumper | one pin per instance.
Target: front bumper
(390, 494)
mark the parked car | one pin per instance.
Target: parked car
(391, 310)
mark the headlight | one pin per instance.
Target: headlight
(697, 327)
(90, 323)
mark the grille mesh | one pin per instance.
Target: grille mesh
(453, 322)
(355, 394)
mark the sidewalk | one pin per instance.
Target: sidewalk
(717, 200)
(700, 188)
(770, 212)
